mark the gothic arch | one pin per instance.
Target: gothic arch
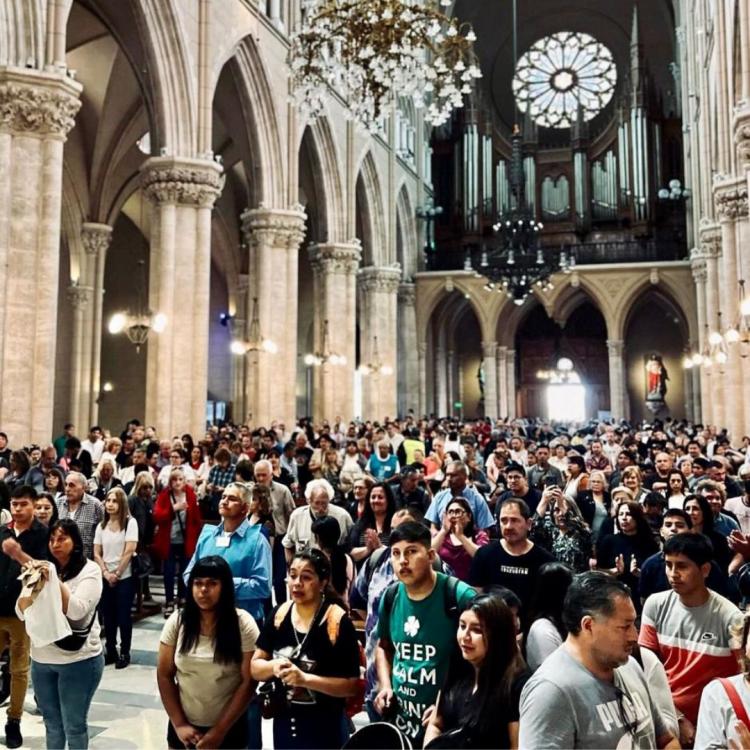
(370, 215)
(407, 250)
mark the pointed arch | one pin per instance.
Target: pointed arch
(371, 215)
(407, 240)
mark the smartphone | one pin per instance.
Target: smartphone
(549, 482)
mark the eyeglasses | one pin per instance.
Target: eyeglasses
(456, 511)
(626, 708)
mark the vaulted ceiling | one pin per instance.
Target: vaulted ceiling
(608, 21)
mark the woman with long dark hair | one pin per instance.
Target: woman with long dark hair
(309, 654)
(623, 553)
(478, 703)
(66, 673)
(327, 533)
(457, 540)
(208, 643)
(547, 630)
(373, 528)
(702, 517)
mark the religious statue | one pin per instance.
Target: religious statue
(656, 379)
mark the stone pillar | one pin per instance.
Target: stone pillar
(617, 389)
(441, 382)
(79, 297)
(731, 205)
(96, 239)
(450, 360)
(502, 380)
(489, 354)
(511, 368)
(408, 389)
(698, 268)
(712, 253)
(37, 109)
(422, 380)
(378, 305)
(181, 192)
(273, 237)
(239, 330)
(334, 284)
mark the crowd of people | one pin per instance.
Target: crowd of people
(465, 584)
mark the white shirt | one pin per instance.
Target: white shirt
(299, 536)
(716, 716)
(742, 511)
(187, 470)
(95, 449)
(113, 544)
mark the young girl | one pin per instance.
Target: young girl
(208, 643)
(115, 541)
(478, 705)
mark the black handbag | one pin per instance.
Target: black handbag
(79, 636)
(141, 565)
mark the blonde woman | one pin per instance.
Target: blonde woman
(115, 542)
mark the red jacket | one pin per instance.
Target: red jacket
(163, 516)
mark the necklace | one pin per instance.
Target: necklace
(301, 645)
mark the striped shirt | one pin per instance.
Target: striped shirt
(693, 643)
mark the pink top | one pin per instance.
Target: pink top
(457, 557)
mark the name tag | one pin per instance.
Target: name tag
(223, 541)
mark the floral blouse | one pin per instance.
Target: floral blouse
(572, 548)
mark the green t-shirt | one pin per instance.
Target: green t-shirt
(423, 636)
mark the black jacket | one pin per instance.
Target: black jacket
(33, 542)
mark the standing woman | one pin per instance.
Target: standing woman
(595, 503)
(677, 489)
(66, 674)
(578, 479)
(45, 509)
(478, 705)
(458, 540)
(54, 483)
(702, 517)
(19, 467)
(374, 526)
(295, 637)
(209, 643)
(115, 542)
(179, 524)
(104, 479)
(259, 512)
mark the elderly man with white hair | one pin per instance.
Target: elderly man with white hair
(282, 507)
(83, 508)
(299, 536)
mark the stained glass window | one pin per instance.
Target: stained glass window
(559, 73)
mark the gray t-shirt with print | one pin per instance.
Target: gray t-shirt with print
(565, 706)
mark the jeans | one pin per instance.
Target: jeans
(115, 607)
(13, 633)
(64, 693)
(175, 558)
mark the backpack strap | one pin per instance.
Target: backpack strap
(734, 698)
(332, 619)
(451, 599)
(384, 622)
(281, 613)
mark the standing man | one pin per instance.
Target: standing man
(515, 560)
(94, 444)
(26, 531)
(518, 487)
(83, 508)
(282, 507)
(590, 693)
(299, 536)
(382, 465)
(597, 460)
(544, 470)
(417, 635)
(243, 546)
(688, 628)
(457, 475)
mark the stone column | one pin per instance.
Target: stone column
(378, 287)
(501, 370)
(450, 360)
(334, 288)
(408, 390)
(511, 368)
(441, 381)
(731, 205)
(698, 268)
(181, 192)
(273, 238)
(742, 143)
(37, 109)
(617, 389)
(712, 253)
(422, 382)
(79, 297)
(489, 354)
(96, 239)
(239, 331)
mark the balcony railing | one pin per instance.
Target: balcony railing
(627, 251)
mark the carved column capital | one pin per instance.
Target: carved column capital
(96, 238)
(742, 136)
(182, 182)
(489, 349)
(710, 239)
(283, 228)
(730, 200)
(407, 295)
(38, 103)
(79, 296)
(335, 258)
(384, 279)
(615, 348)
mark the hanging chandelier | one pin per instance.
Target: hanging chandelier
(138, 322)
(519, 263)
(326, 356)
(376, 367)
(255, 341)
(371, 51)
(561, 374)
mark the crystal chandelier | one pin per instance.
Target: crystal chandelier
(325, 357)
(562, 373)
(137, 323)
(376, 367)
(519, 263)
(371, 51)
(255, 342)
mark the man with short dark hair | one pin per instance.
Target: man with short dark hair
(519, 487)
(416, 635)
(407, 493)
(515, 560)
(69, 431)
(590, 693)
(457, 476)
(542, 471)
(24, 530)
(689, 627)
